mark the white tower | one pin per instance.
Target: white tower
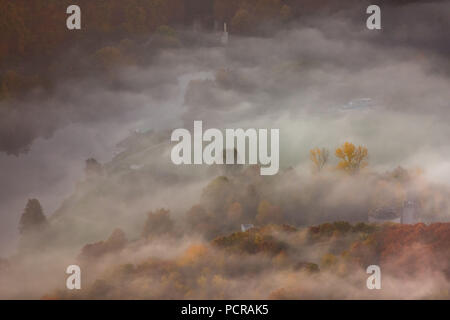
(224, 38)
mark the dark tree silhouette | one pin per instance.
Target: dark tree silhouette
(158, 223)
(33, 217)
(93, 168)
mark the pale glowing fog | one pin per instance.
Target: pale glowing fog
(322, 81)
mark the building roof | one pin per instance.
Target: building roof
(385, 213)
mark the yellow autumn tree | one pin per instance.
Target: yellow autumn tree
(352, 158)
(319, 158)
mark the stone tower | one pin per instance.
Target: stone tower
(410, 213)
(224, 38)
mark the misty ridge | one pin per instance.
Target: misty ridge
(141, 227)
